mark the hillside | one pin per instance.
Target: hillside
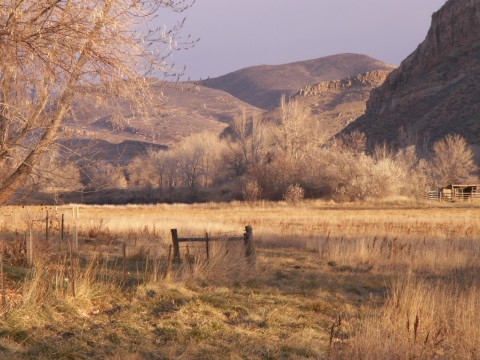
(336, 103)
(436, 89)
(263, 85)
(177, 111)
(181, 109)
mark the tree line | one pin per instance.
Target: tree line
(287, 158)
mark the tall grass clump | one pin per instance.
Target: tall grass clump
(53, 292)
(421, 319)
(226, 263)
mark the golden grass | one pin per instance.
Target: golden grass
(364, 281)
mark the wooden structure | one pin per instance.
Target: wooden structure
(459, 192)
(247, 239)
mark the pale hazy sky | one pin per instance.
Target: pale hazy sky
(238, 33)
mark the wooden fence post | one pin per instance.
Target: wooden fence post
(248, 239)
(30, 248)
(176, 246)
(124, 262)
(75, 241)
(46, 227)
(63, 232)
(155, 267)
(167, 270)
(207, 246)
(4, 291)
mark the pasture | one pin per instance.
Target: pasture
(329, 281)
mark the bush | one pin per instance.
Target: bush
(252, 191)
(294, 194)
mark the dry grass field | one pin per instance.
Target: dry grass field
(330, 281)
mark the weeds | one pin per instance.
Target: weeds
(330, 281)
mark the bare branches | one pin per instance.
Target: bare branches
(55, 48)
(453, 160)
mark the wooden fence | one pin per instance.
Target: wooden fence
(247, 239)
(455, 195)
(433, 195)
(57, 235)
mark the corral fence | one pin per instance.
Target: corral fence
(53, 235)
(454, 194)
(433, 195)
(63, 243)
(207, 239)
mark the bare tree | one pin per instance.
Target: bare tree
(453, 160)
(190, 153)
(55, 174)
(355, 142)
(249, 138)
(103, 175)
(295, 134)
(53, 49)
(148, 171)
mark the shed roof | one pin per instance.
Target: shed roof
(460, 186)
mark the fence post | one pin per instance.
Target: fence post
(249, 248)
(207, 246)
(30, 248)
(176, 246)
(46, 227)
(147, 260)
(63, 232)
(167, 271)
(124, 262)
(4, 291)
(75, 240)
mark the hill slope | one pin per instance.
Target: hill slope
(336, 103)
(118, 135)
(263, 85)
(436, 89)
(177, 111)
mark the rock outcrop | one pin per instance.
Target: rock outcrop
(369, 80)
(262, 86)
(436, 90)
(333, 104)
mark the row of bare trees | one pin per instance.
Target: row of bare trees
(283, 158)
(260, 158)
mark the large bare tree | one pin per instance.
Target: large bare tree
(295, 134)
(453, 160)
(52, 49)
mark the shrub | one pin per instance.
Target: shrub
(252, 191)
(294, 194)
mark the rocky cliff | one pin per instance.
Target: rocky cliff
(334, 104)
(369, 80)
(436, 90)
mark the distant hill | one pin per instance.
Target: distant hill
(181, 109)
(262, 86)
(436, 90)
(178, 110)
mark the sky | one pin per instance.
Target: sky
(235, 34)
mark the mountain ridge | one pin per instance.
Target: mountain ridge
(263, 85)
(435, 90)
